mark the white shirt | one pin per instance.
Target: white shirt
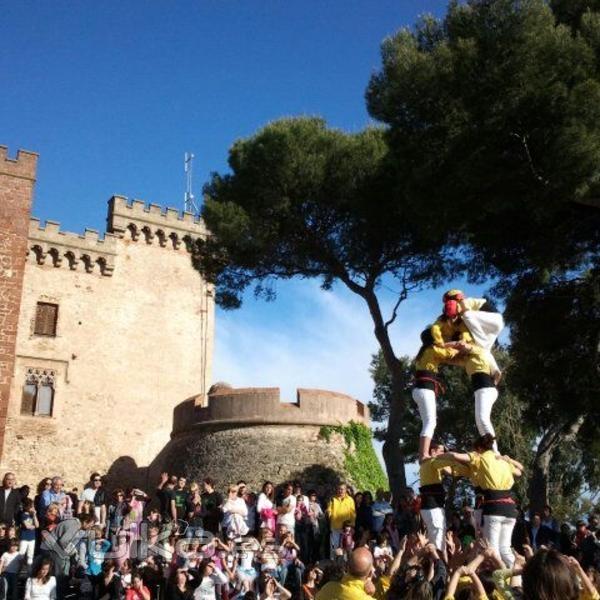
(88, 494)
(288, 518)
(206, 589)
(34, 590)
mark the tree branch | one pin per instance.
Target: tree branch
(402, 296)
(523, 140)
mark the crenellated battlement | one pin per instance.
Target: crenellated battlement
(157, 225)
(88, 252)
(95, 254)
(228, 407)
(22, 167)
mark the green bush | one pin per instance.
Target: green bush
(360, 461)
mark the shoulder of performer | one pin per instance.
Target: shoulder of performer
(474, 303)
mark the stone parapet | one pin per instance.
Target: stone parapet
(229, 407)
(87, 252)
(156, 225)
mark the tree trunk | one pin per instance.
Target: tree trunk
(392, 451)
(539, 483)
(540, 474)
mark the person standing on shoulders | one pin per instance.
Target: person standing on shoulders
(427, 385)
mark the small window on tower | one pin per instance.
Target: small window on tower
(38, 392)
(46, 316)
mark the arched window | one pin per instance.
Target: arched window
(38, 392)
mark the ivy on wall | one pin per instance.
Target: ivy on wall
(360, 460)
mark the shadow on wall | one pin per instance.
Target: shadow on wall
(125, 473)
(323, 479)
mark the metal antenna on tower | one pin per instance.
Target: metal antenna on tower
(189, 202)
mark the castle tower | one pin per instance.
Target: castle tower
(250, 434)
(113, 332)
(17, 177)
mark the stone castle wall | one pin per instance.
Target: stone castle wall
(134, 336)
(249, 434)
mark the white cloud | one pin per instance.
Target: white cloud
(312, 338)
(307, 338)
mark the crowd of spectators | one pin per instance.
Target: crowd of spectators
(188, 540)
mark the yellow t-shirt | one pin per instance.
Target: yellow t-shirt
(489, 472)
(444, 330)
(340, 510)
(476, 361)
(433, 356)
(431, 470)
(349, 588)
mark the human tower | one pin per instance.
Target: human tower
(463, 336)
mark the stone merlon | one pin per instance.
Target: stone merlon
(137, 216)
(229, 407)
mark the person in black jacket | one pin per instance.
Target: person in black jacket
(539, 534)
(10, 500)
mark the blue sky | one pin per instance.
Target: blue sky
(111, 94)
